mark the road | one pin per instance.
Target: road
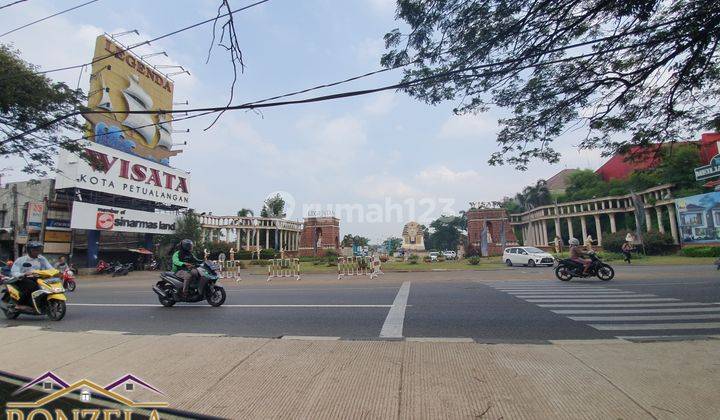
(519, 305)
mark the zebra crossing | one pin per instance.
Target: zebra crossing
(626, 313)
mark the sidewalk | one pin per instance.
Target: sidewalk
(270, 378)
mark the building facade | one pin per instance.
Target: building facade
(320, 235)
(495, 223)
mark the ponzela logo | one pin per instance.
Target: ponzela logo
(112, 396)
(105, 221)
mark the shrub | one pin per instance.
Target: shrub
(413, 259)
(384, 258)
(261, 263)
(441, 258)
(329, 254)
(613, 241)
(655, 243)
(427, 259)
(267, 254)
(701, 251)
(474, 260)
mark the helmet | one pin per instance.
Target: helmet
(186, 245)
(34, 245)
(574, 242)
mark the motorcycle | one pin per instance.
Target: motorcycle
(49, 298)
(103, 267)
(68, 279)
(120, 269)
(567, 269)
(169, 287)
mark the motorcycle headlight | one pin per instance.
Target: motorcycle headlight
(58, 290)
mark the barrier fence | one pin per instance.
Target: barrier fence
(229, 269)
(284, 267)
(358, 266)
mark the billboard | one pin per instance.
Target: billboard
(699, 218)
(117, 219)
(114, 172)
(120, 82)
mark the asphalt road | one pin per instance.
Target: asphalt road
(520, 305)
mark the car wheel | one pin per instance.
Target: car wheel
(508, 262)
(531, 263)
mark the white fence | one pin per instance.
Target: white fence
(284, 267)
(229, 269)
(358, 266)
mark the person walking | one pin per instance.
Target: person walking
(626, 249)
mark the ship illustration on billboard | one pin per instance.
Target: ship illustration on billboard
(120, 88)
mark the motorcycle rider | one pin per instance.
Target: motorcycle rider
(577, 254)
(24, 266)
(184, 262)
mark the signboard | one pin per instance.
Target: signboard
(57, 224)
(711, 170)
(123, 82)
(35, 216)
(118, 219)
(57, 236)
(699, 218)
(120, 173)
(56, 248)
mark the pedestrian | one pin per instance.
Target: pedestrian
(588, 243)
(626, 249)
(558, 244)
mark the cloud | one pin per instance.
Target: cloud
(383, 6)
(381, 104)
(377, 188)
(370, 50)
(444, 175)
(467, 126)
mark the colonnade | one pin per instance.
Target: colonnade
(252, 233)
(535, 223)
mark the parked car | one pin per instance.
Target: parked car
(527, 255)
(433, 256)
(450, 255)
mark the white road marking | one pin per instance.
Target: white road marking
(645, 317)
(441, 339)
(106, 332)
(555, 300)
(309, 338)
(152, 305)
(198, 335)
(620, 305)
(638, 327)
(593, 296)
(393, 326)
(633, 311)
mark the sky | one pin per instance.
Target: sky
(376, 161)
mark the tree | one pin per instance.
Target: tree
(245, 213)
(392, 244)
(631, 73)
(446, 232)
(347, 240)
(273, 207)
(187, 227)
(33, 100)
(357, 240)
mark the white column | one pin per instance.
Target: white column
(544, 235)
(648, 220)
(658, 211)
(571, 234)
(558, 229)
(598, 229)
(673, 223)
(257, 239)
(613, 227)
(583, 224)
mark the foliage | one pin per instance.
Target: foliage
(350, 240)
(245, 213)
(446, 232)
(413, 259)
(534, 195)
(474, 260)
(187, 227)
(657, 243)
(384, 258)
(701, 251)
(628, 72)
(30, 101)
(268, 254)
(392, 244)
(613, 241)
(273, 207)
(427, 259)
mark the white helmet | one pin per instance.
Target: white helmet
(573, 242)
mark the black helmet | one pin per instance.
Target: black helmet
(186, 245)
(34, 245)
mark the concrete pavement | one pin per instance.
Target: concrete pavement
(272, 378)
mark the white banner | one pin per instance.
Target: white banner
(118, 219)
(120, 173)
(35, 216)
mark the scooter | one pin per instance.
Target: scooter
(103, 267)
(169, 287)
(567, 269)
(48, 300)
(68, 279)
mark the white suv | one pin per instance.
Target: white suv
(527, 255)
(449, 255)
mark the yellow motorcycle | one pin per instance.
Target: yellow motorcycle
(48, 299)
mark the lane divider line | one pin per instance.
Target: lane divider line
(393, 326)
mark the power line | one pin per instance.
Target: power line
(129, 48)
(12, 4)
(45, 18)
